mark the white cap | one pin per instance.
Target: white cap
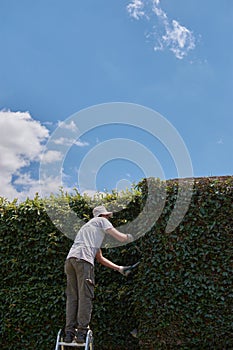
(97, 211)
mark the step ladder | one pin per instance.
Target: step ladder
(61, 345)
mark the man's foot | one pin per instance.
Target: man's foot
(81, 336)
(69, 337)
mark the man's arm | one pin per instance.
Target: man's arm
(124, 270)
(119, 236)
(103, 261)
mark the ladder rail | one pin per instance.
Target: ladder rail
(88, 344)
(89, 340)
(58, 338)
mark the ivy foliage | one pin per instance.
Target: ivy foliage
(179, 297)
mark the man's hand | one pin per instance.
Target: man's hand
(130, 238)
(124, 270)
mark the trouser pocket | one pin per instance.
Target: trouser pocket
(89, 280)
(89, 288)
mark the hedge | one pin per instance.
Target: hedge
(180, 297)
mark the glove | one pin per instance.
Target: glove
(130, 238)
(124, 270)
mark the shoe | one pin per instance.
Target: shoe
(69, 337)
(81, 337)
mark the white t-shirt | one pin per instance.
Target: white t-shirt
(89, 239)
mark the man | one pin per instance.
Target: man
(79, 269)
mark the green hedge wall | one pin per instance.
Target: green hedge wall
(180, 297)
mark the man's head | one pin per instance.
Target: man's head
(101, 211)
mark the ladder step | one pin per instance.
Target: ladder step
(71, 344)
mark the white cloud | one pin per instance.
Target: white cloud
(158, 11)
(48, 123)
(50, 184)
(65, 141)
(51, 157)
(81, 143)
(135, 9)
(24, 179)
(21, 142)
(178, 39)
(166, 33)
(68, 126)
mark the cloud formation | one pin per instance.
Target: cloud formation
(68, 126)
(21, 142)
(23, 147)
(69, 141)
(51, 156)
(165, 33)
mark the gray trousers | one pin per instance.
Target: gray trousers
(79, 293)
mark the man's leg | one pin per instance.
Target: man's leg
(86, 283)
(71, 296)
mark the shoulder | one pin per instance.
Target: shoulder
(101, 222)
(99, 219)
(95, 220)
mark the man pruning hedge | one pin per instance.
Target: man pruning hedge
(79, 269)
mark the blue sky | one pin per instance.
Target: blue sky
(61, 57)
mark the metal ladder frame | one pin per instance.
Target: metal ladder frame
(60, 345)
